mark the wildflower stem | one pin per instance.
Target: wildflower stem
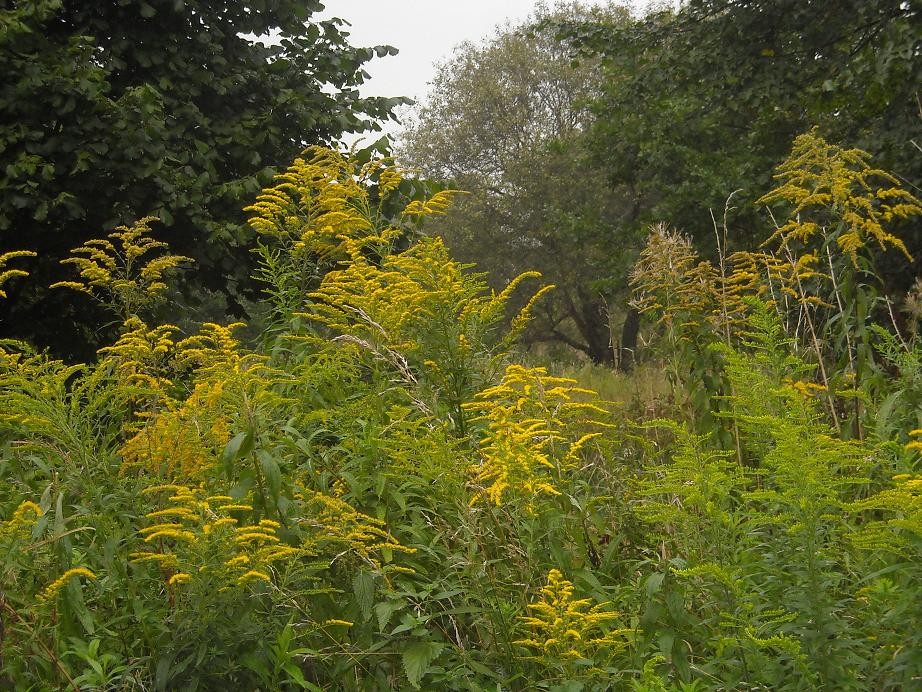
(48, 652)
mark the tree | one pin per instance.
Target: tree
(112, 111)
(505, 120)
(699, 102)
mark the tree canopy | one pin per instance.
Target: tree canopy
(699, 102)
(506, 121)
(112, 111)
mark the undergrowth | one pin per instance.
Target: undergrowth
(378, 494)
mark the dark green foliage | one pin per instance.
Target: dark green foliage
(704, 101)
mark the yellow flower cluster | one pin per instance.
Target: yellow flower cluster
(7, 274)
(335, 522)
(118, 273)
(534, 432)
(184, 441)
(197, 536)
(214, 347)
(153, 357)
(143, 356)
(321, 205)
(52, 590)
(566, 628)
(19, 525)
(396, 302)
(818, 177)
(806, 389)
(314, 204)
(386, 302)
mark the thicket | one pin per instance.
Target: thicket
(379, 494)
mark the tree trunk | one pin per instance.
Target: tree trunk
(628, 343)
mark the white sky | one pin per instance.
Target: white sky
(425, 31)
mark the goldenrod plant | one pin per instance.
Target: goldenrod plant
(536, 427)
(127, 271)
(327, 210)
(425, 316)
(383, 491)
(835, 195)
(844, 212)
(564, 632)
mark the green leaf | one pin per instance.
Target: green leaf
(295, 675)
(384, 611)
(239, 446)
(272, 472)
(363, 584)
(416, 660)
(654, 583)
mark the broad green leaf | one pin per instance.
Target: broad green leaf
(417, 658)
(363, 585)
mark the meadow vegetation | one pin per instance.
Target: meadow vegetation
(381, 490)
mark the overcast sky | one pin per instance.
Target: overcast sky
(424, 31)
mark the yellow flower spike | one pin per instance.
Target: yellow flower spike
(917, 443)
(7, 274)
(118, 274)
(181, 512)
(255, 536)
(27, 507)
(164, 559)
(238, 507)
(179, 578)
(163, 488)
(55, 587)
(337, 521)
(171, 533)
(277, 553)
(254, 574)
(159, 527)
(19, 526)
